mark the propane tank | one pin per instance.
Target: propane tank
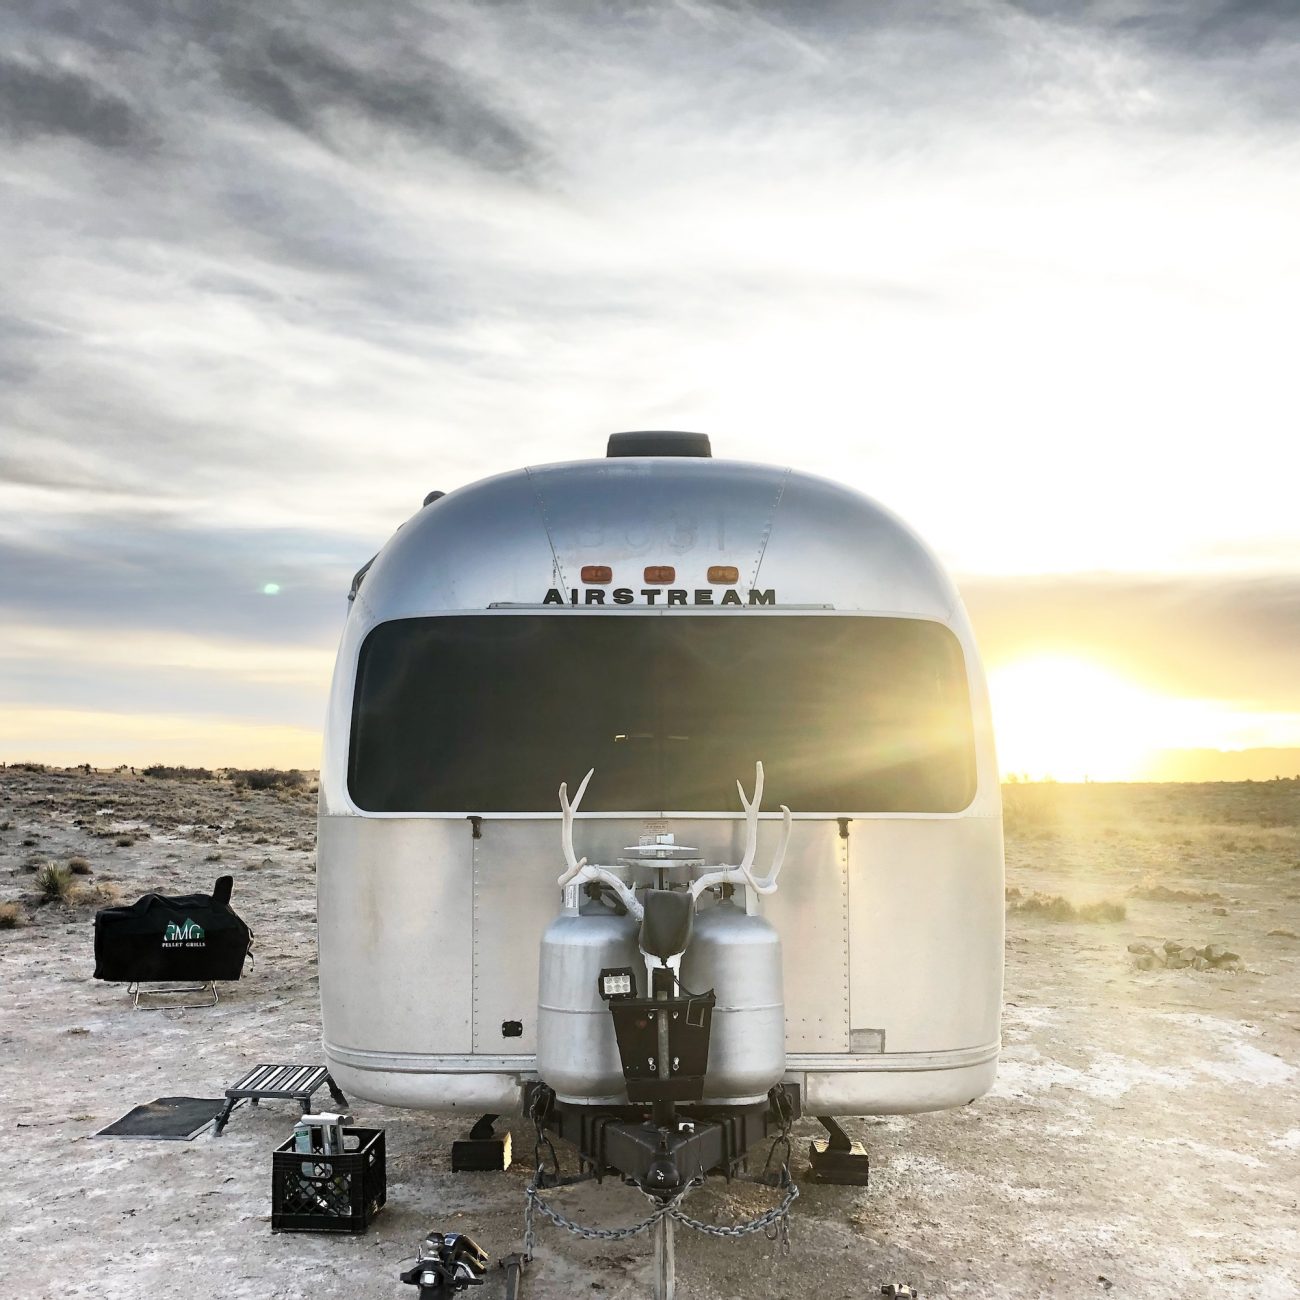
(577, 1053)
(739, 957)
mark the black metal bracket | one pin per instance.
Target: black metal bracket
(838, 1159)
(660, 1159)
(483, 1150)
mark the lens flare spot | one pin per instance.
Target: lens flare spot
(271, 589)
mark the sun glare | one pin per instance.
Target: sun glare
(1069, 719)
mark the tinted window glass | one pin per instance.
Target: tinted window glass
(491, 713)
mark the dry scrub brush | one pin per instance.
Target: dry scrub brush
(1030, 810)
(1052, 907)
(266, 778)
(12, 917)
(100, 894)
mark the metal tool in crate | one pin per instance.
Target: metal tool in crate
(315, 1190)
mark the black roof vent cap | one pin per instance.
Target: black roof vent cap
(658, 442)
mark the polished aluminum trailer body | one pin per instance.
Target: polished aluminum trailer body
(891, 923)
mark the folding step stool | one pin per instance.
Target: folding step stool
(280, 1082)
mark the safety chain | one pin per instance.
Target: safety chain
(779, 1215)
(542, 1144)
(783, 1107)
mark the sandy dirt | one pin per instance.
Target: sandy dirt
(1143, 1138)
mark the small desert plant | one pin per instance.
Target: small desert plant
(177, 773)
(1053, 907)
(54, 883)
(266, 778)
(124, 841)
(12, 916)
(1106, 910)
(1031, 809)
(80, 866)
(98, 894)
(1163, 894)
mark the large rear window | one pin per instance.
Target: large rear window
(489, 713)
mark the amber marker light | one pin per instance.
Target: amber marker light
(597, 573)
(727, 573)
(660, 573)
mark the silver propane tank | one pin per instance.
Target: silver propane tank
(577, 1053)
(739, 957)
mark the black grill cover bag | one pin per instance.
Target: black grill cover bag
(189, 937)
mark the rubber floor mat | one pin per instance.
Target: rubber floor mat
(168, 1119)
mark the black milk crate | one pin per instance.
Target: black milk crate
(335, 1193)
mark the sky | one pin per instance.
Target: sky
(1026, 273)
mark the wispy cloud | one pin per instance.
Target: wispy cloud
(44, 99)
(1023, 271)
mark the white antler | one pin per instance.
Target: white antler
(726, 875)
(566, 834)
(579, 871)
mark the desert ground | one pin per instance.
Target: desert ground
(1143, 1137)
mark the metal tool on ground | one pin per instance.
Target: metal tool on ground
(448, 1261)
(281, 1083)
(514, 1266)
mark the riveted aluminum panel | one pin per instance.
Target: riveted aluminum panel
(395, 928)
(926, 911)
(810, 913)
(515, 898)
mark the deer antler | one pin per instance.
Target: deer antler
(767, 885)
(566, 833)
(578, 867)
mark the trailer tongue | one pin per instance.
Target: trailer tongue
(666, 1088)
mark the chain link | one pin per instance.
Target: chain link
(777, 1218)
(779, 1215)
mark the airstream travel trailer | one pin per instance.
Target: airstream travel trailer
(674, 625)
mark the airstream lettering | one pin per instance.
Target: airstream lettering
(860, 962)
(673, 596)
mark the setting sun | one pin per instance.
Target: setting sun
(1071, 719)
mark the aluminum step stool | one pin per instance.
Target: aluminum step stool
(281, 1082)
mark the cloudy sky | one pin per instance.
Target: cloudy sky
(1026, 272)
